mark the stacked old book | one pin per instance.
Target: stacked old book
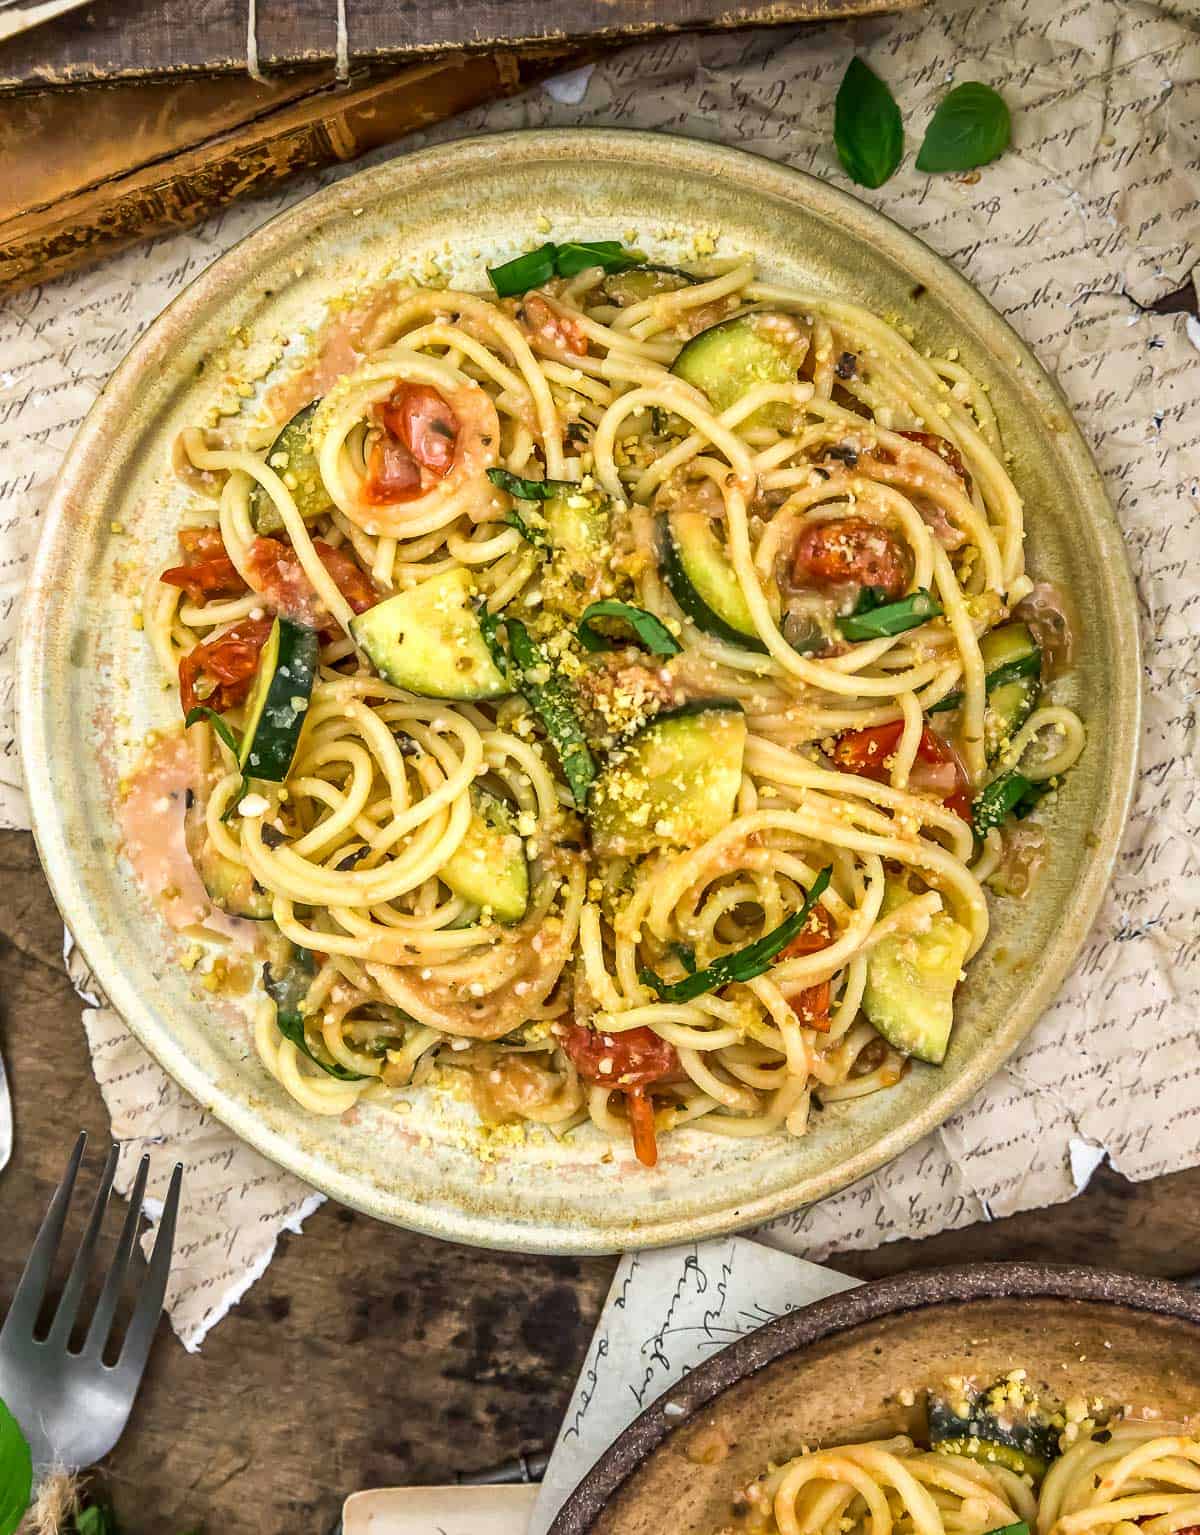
(122, 119)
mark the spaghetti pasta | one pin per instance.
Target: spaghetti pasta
(517, 844)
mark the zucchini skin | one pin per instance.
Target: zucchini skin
(275, 723)
(1025, 1444)
(690, 600)
(310, 495)
(428, 640)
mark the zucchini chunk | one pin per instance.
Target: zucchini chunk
(726, 360)
(488, 867)
(428, 640)
(230, 886)
(635, 286)
(577, 526)
(673, 784)
(702, 581)
(1013, 663)
(278, 704)
(909, 995)
(990, 1426)
(309, 491)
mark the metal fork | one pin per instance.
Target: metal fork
(71, 1405)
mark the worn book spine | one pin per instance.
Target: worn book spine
(168, 188)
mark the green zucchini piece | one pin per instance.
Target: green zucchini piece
(312, 499)
(428, 640)
(995, 1429)
(635, 286)
(488, 867)
(702, 581)
(278, 703)
(673, 784)
(230, 886)
(1014, 665)
(550, 698)
(1010, 794)
(577, 526)
(909, 995)
(726, 360)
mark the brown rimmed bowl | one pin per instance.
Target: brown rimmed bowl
(832, 1373)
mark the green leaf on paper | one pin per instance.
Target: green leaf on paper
(867, 130)
(971, 127)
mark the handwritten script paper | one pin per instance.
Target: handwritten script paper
(1093, 211)
(666, 1313)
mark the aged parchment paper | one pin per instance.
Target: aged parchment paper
(1092, 213)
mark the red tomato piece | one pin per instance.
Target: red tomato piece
(277, 574)
(850, 549)
(634, 1059)
(425, 424)
(208, 571)
(944, 449)
(811, 1005)
(559, 331)
(869, 753)
(393, 474)
(219, 672)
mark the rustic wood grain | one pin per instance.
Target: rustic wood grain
(117, 39)
(369, 1356)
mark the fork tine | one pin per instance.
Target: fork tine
(31, 1289)
(106, 1307)
(68, 1305)
(136, 1348)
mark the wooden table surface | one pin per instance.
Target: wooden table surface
(370, 1357)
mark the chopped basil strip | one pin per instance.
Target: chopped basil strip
(202, 712)
(529, 490)
(1020, 1528)
(531, 535)
(287, 988)
(650, 632)
(744, 964)
(1010, 794)
(524, 272)
(872, 620)
(550, 699)
(686, 956)
(537, 267)
(577, 255)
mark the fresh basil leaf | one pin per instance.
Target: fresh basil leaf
(524, 272)
(99, 1519)
(577, 255)
(529, 490)
(867, 131)
(16, 1472)
(971, 127)
(287, 988)
(554, 704)
(652, 634)
(743, 964)
(489, 627)
(686, 956)
(202, 712)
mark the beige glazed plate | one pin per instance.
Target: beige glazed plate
(90, 687)
(833, 1373)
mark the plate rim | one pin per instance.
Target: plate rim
(845, 1312)
(228, 272)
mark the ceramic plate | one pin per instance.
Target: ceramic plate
(90, 689)
(832, 1373)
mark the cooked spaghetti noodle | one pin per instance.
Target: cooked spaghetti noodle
(748, 568)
